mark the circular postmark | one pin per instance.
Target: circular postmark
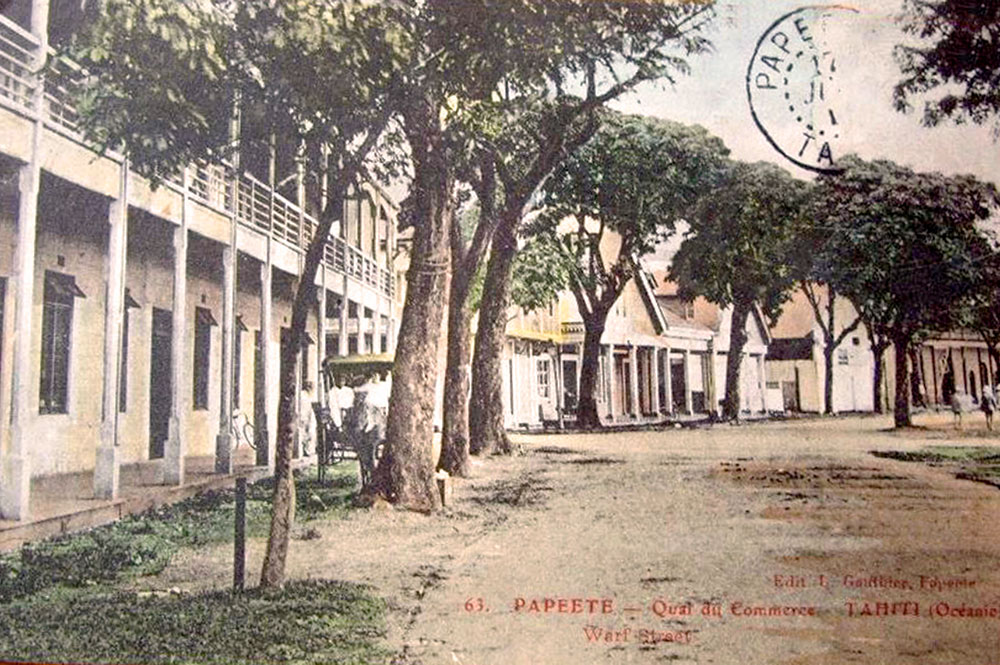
(792, 86)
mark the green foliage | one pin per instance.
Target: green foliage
(144, 544)
(164, 76)
(306, 622)
(903, 246)
(981, 311)
(741, 240)
(540, 272)
(956, 55)
(636, 177)
(157, 81)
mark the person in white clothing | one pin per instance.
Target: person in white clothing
(345, 399)
(307, 419)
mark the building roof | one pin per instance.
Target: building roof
(704, 314)
(675, 320)
(791, 348)
(797, 318)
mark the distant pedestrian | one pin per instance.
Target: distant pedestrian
(307, 419)
(988, 404)
(956, 408)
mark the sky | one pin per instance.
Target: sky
(714, 94)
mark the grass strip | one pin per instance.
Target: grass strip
(312, 621)
(144, 544)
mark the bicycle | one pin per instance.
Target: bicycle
(242, 430)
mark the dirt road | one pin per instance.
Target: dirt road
(768, 543)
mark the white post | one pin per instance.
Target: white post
(633, 361)
(761, 381)
(265, 451)
(688, 401)
(657, 405)
(230, 258)
(321, 336)
(611, 381)
(668, 381)
(106, 468)
(342, 335)
(711, 389)
(223, 440)
(175, 449)
(15, 483)
(377, 325)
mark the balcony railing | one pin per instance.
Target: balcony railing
(257, 205)
(17, 60)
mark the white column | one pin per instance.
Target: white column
(223, 440)
(711, 387)
(611, 381)
(265, 451)
(744, 368)
(633, 361)
(107, 464)
(15, 481)
(342, 337)
(762, 382)
(657, 405)
(230, 259)
(321, 336)
(175, 449)
(668, 381)
(688, 402)
(377, 314)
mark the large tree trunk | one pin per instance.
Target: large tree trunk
(587, 416)
(283, 502)
(465, 260)
(994, 354)
(405, 474)
(734, 359)
(455, 434)
(486, 430)
(916, 377)
(878, 353)
(901, 412)
(828, 350)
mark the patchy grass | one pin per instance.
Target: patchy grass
(306, 622)
(144, 544)
(524, 491)
(976, 463)
(595, 460)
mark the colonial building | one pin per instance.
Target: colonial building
(661, 358)
(796, 364)
(132, 319)
(941, 364)
(702, 331)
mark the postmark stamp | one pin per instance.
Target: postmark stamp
(793, 89)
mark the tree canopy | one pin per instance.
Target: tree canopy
(607, 205)
(739, 251)
(904, 247)
(741, 236)
(164, 77)
(957, 57)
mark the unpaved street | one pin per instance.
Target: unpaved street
(765, 543)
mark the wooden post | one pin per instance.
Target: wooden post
(240, 536)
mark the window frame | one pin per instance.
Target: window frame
(201, 359)
(59, 295)
(542, 378)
